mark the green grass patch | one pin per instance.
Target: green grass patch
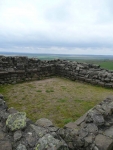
(106, 64)
(67, 120)
(63, 87)
(49, 91)
(39, 90)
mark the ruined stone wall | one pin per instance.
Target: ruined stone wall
(18, 69)
(92, 131)
(90, 73)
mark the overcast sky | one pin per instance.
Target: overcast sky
(57, 26)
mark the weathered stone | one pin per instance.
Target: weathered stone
(80, 142)
(16, 121)
(12, 110)
(103, 142)
(44, 122)
(81, 119)
(49, 142)
(92, 128)
(96, 117)
(1, 96)
(109, 132)
(17, 135)
(40, 131)
(99, 108)
(109, 85)
(107, 109)
(95, 148)
(71, 125)
(89, 139)
(2, 135)
(5, 145)
(83, 133)
(21, 147)
(3, 114)
(1, 102)
(31, 139)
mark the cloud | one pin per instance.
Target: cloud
(68, 26)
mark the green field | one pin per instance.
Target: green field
(106, 64)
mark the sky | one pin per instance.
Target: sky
(57, 26)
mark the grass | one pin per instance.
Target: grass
(49, 91)
(57, 99)
(107, 64)
(39, 90)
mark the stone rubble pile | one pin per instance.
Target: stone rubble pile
(92, 131)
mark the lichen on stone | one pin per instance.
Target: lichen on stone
(16, 121)
(49, 142)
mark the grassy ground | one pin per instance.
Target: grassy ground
(57, 99)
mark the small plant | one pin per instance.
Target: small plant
(67, 120)
(23, 98)
(78, 101)
(49, 91)
(61, 100)
(63, 87)
(39, 90)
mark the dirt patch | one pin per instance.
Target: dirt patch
(57, 99)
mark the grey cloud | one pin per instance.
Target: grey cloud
(48, 43)
(62, 24)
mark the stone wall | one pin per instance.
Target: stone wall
(18, 69)
(92, 131)
(90, 73)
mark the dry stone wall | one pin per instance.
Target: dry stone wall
(92, 131)
(90, 73)
(18, 69)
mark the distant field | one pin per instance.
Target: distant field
(105, 61)
(107, 64)
(57, 99)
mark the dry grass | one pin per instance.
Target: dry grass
(57, 99)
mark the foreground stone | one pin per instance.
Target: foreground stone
(16, 121)
(48, 142)
(44, 122)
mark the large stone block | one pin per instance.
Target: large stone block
(16, 121)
